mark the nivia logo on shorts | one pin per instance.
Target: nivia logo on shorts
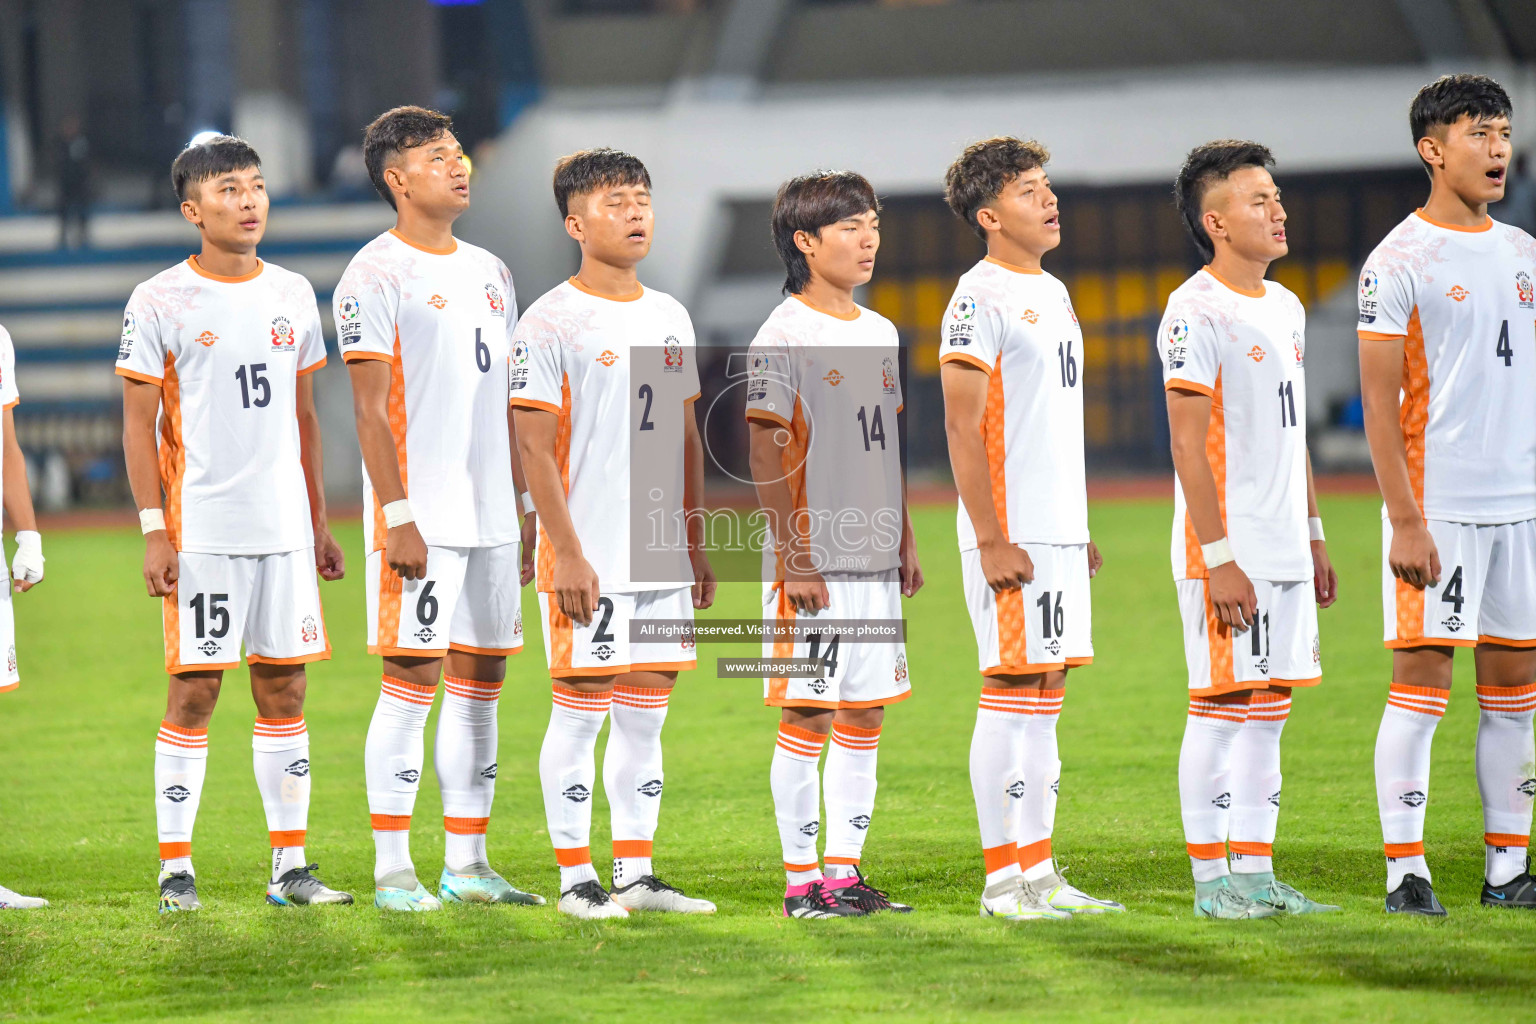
(1015, 790)
(818, 686)
(1453, 623)
(650, 787)
(810, 828)
(859, 821)
(299, 768)
(209, 648)
(1413, 798)
(424, 634)
(489, 772)
(602, 652)
(1263, 665)
(577, 794)
(1224, 801)
(176, 794)
(409, 775)
(1053, 646)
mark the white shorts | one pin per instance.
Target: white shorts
(1487, 591)
(471, 600)
(271, 602)
(604, 646)
(9, 678)
(858, 675)
(1045, 626)
(1282, 648)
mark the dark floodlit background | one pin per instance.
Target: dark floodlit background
(723, 99)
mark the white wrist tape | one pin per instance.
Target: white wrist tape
(527, 503)
(27, 567)
(1217, 553)
(1315, 526)
(398, 513)
(151, 519)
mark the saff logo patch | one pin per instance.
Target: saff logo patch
(1178, 349)
(1369, 285)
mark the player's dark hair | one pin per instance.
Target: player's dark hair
(1448, 98)
(218, 155)
(395, 131)
(979, 175)
(592, 169)
(1206, 166)
(809, 203)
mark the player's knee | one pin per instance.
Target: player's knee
(860, 718)
(192, 698)
(817, 720)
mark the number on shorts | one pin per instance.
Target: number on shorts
(426, 605)
(600, 635)
(1053, 617)
(210, 606)
(1261, 622)
(829, 660)
(1452, 593)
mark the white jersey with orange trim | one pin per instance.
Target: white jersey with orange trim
(443, 319)
(9, 397)
(620, 374)
(1246, 350)
(833, 382)
(1019, 327)
(1464, 302)
(226, 354)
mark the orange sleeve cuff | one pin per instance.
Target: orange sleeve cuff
(1373, 336)
(312, 367)
(123, 371)
(1180, 384)
(534, 403)
(768, 417)
(352, 357)
(965, 357)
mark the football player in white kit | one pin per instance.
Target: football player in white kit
(823, 395)
(216, 357)
(1011, 364)
(424, 322)
(603, 380)
(1248, 553)
(27, 568)
(1448, 376)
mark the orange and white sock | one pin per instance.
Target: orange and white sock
(793, 778)
(1255, 814)
(633, 777)
(1402, 775)
(848, 785)
(997, 776)
(393, 757)
(181, 762)
(1506, 751)
(1205, 783)
(567, 773)
(1042, 781)
(280, 756)
(464, 756)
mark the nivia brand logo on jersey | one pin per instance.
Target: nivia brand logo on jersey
(349, 317)
(130, 330)
(1256, 353)
(833, 377)
(206, 339)
(282, 335)
(498, 304)
(1458, 293)
(1178, 350)
(1369, 285)
(1031, 316)
(672, 361)
(887, 376)
(437, 302)
(608, 358)
(1524, 291)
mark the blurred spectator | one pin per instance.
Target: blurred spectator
(1519, 205)
(74, 183)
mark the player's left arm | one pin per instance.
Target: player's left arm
(704, 582)
(329, 561)
(1325, 582)
(27, 570)
(529, 518)
(911, 569)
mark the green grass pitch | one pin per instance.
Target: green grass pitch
(78, 827)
